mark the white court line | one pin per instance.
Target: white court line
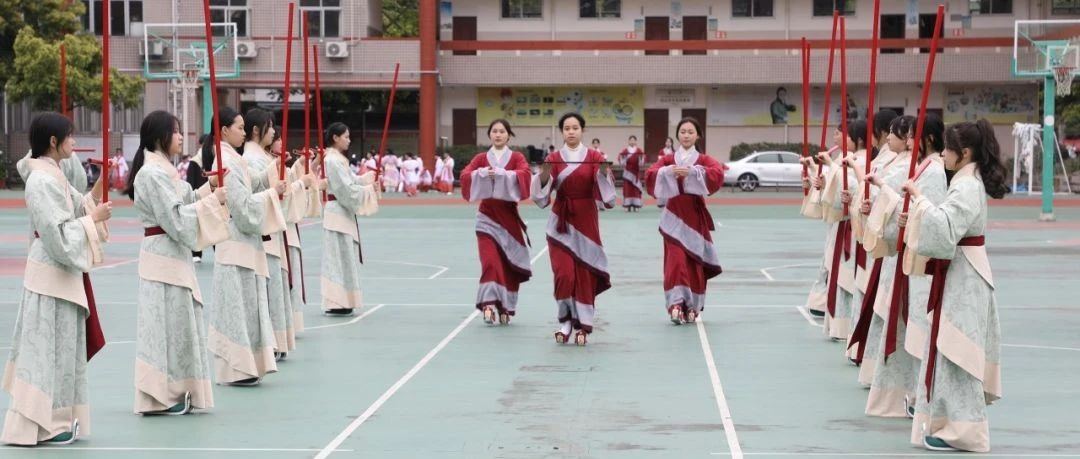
(802, 310)
(113, 265)
(332, 446)
(370, 411)
(765, 270)
(1033, 346)
(200, 450)
(718, 393)
(918, 454)
(353, 321)
(538, 255)
(445, 269)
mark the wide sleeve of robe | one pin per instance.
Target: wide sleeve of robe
(352, 192)
(943, 226)
(69, 237)
(194, 222)
(252, 213)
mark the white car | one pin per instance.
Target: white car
(764, 168)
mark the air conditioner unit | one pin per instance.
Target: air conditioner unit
(246, 50)
(337, 50)
(155, 49)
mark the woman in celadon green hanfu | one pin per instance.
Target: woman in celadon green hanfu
(241, 335)
(347, 196)
(46, 369)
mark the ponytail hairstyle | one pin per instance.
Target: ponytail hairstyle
(155, 134)
(257, 118)
(933, 136)
(902, 127)
(985, 152)
(882, 120)
(856, 131)
(333, 130)
(225, 114)
(46, 126)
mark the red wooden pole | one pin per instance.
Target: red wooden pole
(828, 84)
(63, 81)
(922, 116)
(870, 96)
(307, 95)
(318, 116)
(220, 173)
(105, 112)
(806, 108)
(389, 110)
(285, 95)
(843, 101)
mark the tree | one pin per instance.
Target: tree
(51, 18)
(35, 73)
(401, 18)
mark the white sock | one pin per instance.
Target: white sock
(565, 328)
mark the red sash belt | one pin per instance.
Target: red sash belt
(841, 246)
(95, 337)
(898, 305)
(359, 247)
(938, 268)
(153, 231)
(866, 313)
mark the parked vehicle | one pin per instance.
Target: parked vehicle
(764, 168)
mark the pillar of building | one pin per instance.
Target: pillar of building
(429, 82)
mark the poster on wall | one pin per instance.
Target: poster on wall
(998, 104)
(779, 105)
(446, 15)
(613, 106)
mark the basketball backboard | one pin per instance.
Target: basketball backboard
(170, 49)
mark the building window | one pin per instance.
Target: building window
(826, 7)
(324, 17)
(991, 6)
(600, 8)
(125, 17)
(752, 8)
(235, 11)
(523, 9)
(1065, 7)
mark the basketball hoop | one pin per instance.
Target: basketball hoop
(1063, 76)
(190, 75)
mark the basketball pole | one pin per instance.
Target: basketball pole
(1049, 148)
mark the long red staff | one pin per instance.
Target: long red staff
(899, 302)
(871, 92)
(806, 108)
(307, 96)
(318, 118)
(386, 123)
(841, 244)
(220, 173)
(828, 84)
(843, 103)
(105, 112)
(63, 81)
(285, 95)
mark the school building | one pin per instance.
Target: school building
(632, 67)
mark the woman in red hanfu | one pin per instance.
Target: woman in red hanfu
(575, 177)
(499, 179)
(632, 160)
(682, 180)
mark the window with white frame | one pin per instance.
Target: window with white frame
(324, 17)
(125, 17)
(751, 8)
(235, 11)
(990, 6)
(826, 7)
(522, 9)
(600, 8)
(1065, 7)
